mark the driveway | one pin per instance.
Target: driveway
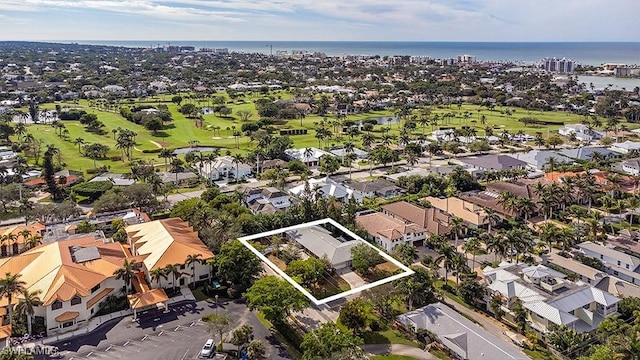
(354, 280)
(399, 349)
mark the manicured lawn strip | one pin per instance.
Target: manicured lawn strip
(388, 336)
(440, 354)
(539, 354)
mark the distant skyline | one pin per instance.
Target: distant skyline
(320, 20)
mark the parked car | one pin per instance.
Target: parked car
(208, 350)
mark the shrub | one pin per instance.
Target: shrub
(115, 158)
(152, 151)
(92, 190)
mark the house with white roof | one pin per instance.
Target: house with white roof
(538, 159)
(581, 132)
(549, 298)
(616, 263)
(326, 187)
(321, 243)
(625, 147)
(309, 156)
(266, 201)
(224, 167)
(463, 338)
(630, 166)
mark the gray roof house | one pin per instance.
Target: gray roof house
(465, 339)
(320, 242)
(115, 179)
(537, 159)
(628, 166)
(493, 162)
(616, 263)
(586, 152)
(361, 154)
(549, 298)
(378, 187)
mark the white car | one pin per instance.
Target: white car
(208, 350)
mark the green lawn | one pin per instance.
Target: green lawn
(539, 354)
(183, 130)
(388, 336)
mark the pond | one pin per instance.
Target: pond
(194, 148)
(381, 120)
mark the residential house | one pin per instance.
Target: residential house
(436, 222)
(376, 188)
(266, 201)
(616, 263)
(224, 168)
(586, 153)
(591, 276)
(548, 297)
(161, 243)
(388, 232)
(490, 197)
(472, 214)
(115, 179)
(582, 132)
(461, 336)
(492, 163)
(73, 277)
(176, 178)
(341, 153)
(309, 156)
(625, 147)
(630, 166)
(326, 187)
(13, 240)
(537, 160)
(321, 243)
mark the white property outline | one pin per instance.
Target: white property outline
(245, 241)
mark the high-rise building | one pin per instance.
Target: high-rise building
(555, 65)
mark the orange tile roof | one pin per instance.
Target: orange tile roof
(67, 315)
(50, 268)
(99, 296)
(148, 298)
(34, 228)
(166, 242)
(5, 331)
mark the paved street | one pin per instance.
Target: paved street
(174, 335)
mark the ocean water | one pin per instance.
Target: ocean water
(588, 53)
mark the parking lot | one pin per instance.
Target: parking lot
(180, 342)
(175, 335)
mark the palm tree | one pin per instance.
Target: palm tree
(496, 245)
(493, 219)
(633, 203)
(456, 226)
(126, 273)
(447, 253)
(26, 307)
(174, 271)
(166, 154)
(525, 206)
(472, 245)
(192, 260)
(79, 141)
(11, 285)
(177, 166)
(459, 266)
(158, 274)
(549, 233)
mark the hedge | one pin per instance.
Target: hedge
(93, 190)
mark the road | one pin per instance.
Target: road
(158, 335)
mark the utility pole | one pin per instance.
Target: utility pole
(270, 49)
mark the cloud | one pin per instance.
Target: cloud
(474, 20)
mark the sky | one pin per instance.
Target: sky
(321, 20)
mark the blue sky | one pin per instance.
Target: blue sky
(408, 20)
